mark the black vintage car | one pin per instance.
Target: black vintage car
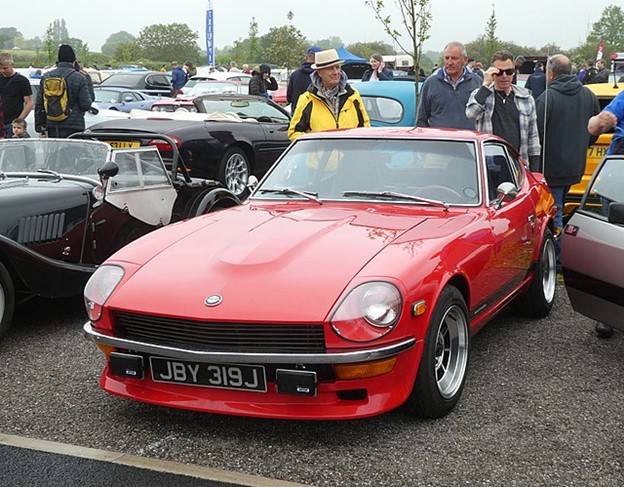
(152, 83)
(68, 204)
(228, 138)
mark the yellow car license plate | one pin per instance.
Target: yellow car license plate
(123, 144)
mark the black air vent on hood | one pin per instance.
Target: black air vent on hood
(41, 228)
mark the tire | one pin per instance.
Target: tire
(538, 299)
(234, 172)
(442, 370)
(7, 300)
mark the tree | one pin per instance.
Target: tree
(367, 49)
(175, 42)
(50, 44)
(59, 31)
(416, 17)
(253, 49)
(8, 36)
(491, 41)
(284, 46)
(610, 29)
(127, 52)
(113, 40)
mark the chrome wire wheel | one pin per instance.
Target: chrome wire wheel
(236, 173)
(548, 263)
(451, 352)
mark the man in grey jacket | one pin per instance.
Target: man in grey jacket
(443, 98)
(78, 94)
(563, 112)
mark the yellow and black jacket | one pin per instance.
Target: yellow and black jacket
(313, 113)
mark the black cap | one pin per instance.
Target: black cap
(66, 54)
(265, 68)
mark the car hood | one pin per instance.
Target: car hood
(262, 262)
(29, 198)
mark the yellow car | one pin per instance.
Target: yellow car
(605, 93)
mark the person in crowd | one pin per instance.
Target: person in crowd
(602, 73)
(563, 113)
(233, 67)
(261, 81)
(586, 72)
(77, 92)
(300, 78)
(518, 63)
(82, 71)
(19, 126)
(443, 97)
(504, 109)
(190, 69)
(36, 75)
(163, 68)
(478, 69)
(378, 70)
(435, 68)
(536, 82)
(178, 79)
(246, 69)
(329, 102)
(611, 116)
(15, 94)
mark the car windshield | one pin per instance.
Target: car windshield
(408, 171)
(244, 108)
(65, 156)
(204, 87)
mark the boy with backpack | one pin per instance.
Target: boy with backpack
(63, 98)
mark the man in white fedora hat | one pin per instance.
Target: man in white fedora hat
(330, 102)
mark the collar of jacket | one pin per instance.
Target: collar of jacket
(519, 91)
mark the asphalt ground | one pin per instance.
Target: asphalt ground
(542, 406)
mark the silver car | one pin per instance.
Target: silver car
(592, 249)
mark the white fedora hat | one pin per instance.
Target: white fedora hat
(325, 59)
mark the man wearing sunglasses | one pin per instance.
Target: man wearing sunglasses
(504, 109)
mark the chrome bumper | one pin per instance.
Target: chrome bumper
(197, 355)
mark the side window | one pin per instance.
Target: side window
(139, 168)
(499, 168)
(607, 187)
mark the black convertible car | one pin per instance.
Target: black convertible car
(228, 139)
(68, 204)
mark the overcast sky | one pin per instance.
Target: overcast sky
(530, 22)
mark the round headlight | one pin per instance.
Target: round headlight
(369, 312)
(99, 287)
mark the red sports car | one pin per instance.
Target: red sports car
(350, 283)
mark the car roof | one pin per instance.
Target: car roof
(403, 132)
(605, 90)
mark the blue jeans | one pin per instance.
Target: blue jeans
(8, 130)
(559, 193)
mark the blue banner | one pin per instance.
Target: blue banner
(209, 35)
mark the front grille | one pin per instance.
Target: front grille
(222, 337)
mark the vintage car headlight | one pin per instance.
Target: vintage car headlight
(368, 312)
(99, 287)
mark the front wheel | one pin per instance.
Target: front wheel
(7, 300)
(442, 369)
(234, 172)
(539, 298)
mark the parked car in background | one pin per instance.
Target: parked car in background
(605, 93)
(207, 87)
(68, 204)
(96, 115)
(229, 138)
(218, 76)
(122, 99)
(152, 83)
(389, 103)
(348, 284)
(592, 249)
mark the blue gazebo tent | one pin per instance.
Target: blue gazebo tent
(349, 57)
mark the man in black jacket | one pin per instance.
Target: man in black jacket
(300, 78)
(15, 95)
(78, 94)
(261, 81)
(563, 111)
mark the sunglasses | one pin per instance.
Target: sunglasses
(508, 72)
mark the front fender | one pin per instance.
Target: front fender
(41, 275)
(217, 198)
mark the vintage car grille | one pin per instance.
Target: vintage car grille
(41, 228)
(226, 337)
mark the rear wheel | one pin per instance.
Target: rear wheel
(540, 296)
(234, 172)
(7, 300)
(442, 369)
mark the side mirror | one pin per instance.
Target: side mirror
(109, 170)
(505, 192)
(616, 213)
(128, 98)
(252, 182)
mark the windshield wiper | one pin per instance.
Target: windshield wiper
(306, 194)
(396, 196)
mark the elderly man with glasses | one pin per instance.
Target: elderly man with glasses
(504, 109)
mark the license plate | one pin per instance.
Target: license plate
(123, 144)
(597, 151)
(221, 376)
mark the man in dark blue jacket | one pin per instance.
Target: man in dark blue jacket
(300, 78)
(77, 92)
(536, 82)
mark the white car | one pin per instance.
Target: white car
(102, 115)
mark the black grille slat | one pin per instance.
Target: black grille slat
(226, 337)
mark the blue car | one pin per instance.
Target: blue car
(123, 99)
(389, 103)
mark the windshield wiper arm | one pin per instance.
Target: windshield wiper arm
(395, 195)
(306, 194)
